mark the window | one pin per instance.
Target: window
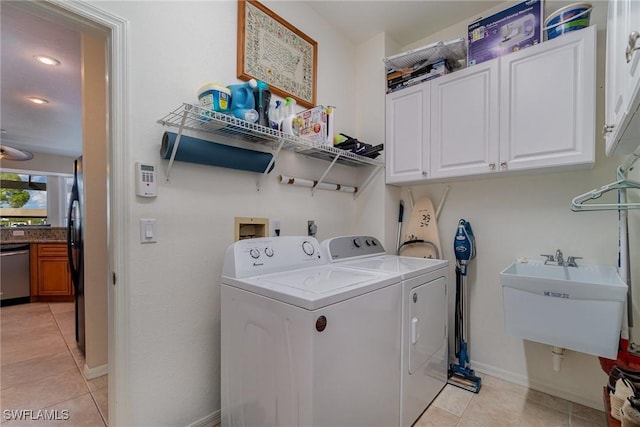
(30, 199)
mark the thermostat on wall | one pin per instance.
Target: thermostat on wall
(146, 179)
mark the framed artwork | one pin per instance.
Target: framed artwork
(274, 51)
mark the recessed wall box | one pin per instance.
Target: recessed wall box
(249, 228)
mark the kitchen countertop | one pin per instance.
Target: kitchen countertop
(34, 234)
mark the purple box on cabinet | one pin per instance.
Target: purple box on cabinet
(510, 30)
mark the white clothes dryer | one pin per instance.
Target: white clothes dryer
(305, 342)
(424, 351)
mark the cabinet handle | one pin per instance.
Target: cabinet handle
(607, 128)
(492, 165)
(503, 164)
(633, 38)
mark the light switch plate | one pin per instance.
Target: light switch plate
(148, 231)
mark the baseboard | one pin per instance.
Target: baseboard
(525, 381)
(98, 371)
(211, 420)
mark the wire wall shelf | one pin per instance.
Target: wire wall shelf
(195, 118)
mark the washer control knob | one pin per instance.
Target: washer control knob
(308, 248)
(368, 242)
(356, 242)
(268, 252)
(374, 243)
(255, 253)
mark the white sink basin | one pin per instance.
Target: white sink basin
(579, 308)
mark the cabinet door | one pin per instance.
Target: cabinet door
(407, 127)
(464, 122)
(53, 277)
(616, 94)
(548, 103)
(633, 65)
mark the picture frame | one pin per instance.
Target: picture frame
(274, 51)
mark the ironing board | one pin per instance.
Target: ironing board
(422, 230)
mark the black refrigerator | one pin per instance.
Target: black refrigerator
(75, 247)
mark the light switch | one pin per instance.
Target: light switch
(147, 230)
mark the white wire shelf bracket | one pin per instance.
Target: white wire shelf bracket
(195, 118)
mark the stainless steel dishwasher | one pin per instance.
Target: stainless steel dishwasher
(15, 279)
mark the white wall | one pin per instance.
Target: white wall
(174, 306)
(518, 216)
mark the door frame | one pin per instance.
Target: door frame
(114, 30)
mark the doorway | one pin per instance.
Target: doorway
(110, 30)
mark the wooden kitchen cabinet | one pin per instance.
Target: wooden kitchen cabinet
(622, 83)
(528, 110)
(50, 275)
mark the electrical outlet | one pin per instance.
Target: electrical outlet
(276, 227)
(312, 228)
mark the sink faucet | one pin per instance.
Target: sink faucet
(559, 260)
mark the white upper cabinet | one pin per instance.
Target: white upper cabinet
(622, 84)
(464, 122)
(532, 109)
(547, 107)
(407, 129)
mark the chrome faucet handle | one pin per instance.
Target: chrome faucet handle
(549, 258)
(571, 261)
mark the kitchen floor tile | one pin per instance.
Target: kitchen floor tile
(45, 392)
(42, 368)
(37, 368)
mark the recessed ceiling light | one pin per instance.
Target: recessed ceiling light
(47, 60)
(37, 100)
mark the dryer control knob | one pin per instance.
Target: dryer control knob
(268, 252)
(308, 248)
(356, 242)
(255, 253)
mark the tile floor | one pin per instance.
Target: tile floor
(501, 403)
(41, 368)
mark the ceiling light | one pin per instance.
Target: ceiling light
(47, 60)
(37, 100)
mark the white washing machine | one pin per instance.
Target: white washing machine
(424, 350)
(306, 342)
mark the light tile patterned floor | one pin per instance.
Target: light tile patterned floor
(41, 369)
(501, 403)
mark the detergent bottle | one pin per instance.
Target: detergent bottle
(288, 123)
(242, 101)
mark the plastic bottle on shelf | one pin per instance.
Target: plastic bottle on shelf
(275, 115)
(242, 100)
(262, 97)
(290, 117)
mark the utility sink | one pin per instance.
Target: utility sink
(579, 308)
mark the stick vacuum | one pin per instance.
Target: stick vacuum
(464, 248)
